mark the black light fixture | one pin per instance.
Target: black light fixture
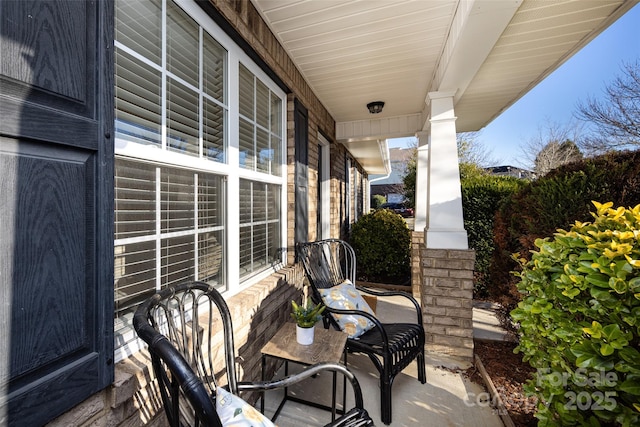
(375, 107)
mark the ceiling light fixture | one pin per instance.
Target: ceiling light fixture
(375, 107)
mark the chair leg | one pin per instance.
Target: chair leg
(385, 399)
(422, 370)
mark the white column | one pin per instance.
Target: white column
(445, 226)
(422, 180)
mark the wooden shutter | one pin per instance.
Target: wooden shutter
(301, 123)
(56, 206)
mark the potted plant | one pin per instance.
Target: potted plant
(306, 316)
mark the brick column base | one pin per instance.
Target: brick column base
(417, 243)
(447, 301)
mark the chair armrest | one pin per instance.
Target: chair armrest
(371, 317)
(308, 372)
(395, 294)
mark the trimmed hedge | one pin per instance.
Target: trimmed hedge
(580, 321)
(482, 196)
(555, 201)
(382, 243)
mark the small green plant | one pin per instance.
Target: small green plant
(580, 321)
(307, 314)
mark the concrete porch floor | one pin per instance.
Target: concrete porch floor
(447, 399)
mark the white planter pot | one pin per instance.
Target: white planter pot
(304, 336)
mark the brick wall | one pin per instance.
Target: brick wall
(447, 301)
(258, 311)
(132, 400)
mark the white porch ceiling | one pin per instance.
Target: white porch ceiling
(489, 52)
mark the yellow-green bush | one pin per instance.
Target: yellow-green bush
(580, 321)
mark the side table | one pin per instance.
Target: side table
(328, 346)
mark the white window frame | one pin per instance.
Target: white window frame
(127, 342)
(347, 191)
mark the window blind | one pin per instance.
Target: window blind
(182, 45)
(260, 125)
(139, 26)
(182, 119)
(259, 225)
(135, 199)
(191, 246)
(138, 100)
(214, 68)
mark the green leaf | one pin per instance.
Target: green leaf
(615, 336)
(631, 386)
(631, 355)
(585, 267)
(588, 357)
(595, 330)
(600, 294)
(571, 292)
(606, 350)
(618, 285)
(634, 284)
(599, 280)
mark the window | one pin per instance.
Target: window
(260, 125)
(187, 78)
(199, 156)
(169, 227)
(259, 225)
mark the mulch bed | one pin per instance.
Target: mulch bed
(508, 373)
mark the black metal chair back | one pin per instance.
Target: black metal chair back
(189, 332)
(170, 323)
(328, 262)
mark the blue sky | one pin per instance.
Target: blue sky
(584, 75)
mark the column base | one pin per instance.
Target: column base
(447, 301)
(446, 239)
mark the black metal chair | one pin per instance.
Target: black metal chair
(188, 329)
(390, 346)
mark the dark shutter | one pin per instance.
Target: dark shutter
(56, 206)
(301, 123)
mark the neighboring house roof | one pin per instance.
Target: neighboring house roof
(488, 53)
(511, 171)
(386, 189)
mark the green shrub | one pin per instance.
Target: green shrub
(482, 195)
(377, 200)
(382, 242)
(555, 201)
(580, 321)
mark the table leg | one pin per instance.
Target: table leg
(286, 393)
(344, 385)
(264, 366)
(333, 398)
(286, 374)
